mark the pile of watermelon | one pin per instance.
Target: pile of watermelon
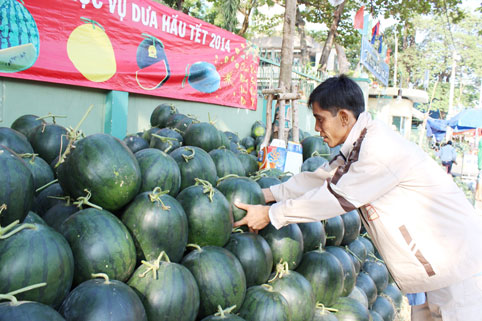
(96, 228)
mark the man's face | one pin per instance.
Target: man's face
(333, 129)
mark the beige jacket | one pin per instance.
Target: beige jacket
(420, 221)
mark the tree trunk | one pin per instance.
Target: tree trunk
(331, 36)
(287, 45)
(343, 64)
(300, 25)
(247, 12)
(179, 4)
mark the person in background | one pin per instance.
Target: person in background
(425, 229)
(478, 188)
(448, 156)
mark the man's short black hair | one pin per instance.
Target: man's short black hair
(338, 93)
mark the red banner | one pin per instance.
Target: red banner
(137, 46)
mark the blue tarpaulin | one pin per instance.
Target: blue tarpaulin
(465, 120)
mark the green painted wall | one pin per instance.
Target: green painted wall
(121, 113)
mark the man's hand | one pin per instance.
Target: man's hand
(257, 216)
(268, 196)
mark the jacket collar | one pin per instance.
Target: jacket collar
(361, 123)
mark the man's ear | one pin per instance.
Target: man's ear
(344, 117)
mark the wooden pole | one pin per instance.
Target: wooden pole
(281, 125)
(269, 123)
(296, 133)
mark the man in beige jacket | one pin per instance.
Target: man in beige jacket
(421, 223)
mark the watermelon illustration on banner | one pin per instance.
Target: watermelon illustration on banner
(151, 58)
(203, 77)
(19, 37)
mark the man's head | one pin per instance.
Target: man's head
(336, 105)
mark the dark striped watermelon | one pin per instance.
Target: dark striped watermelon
(334, 229)
(26, 123)
(161, 114)
(312, 163)
(242, 190)
(158, 169)
(36, 254)
(15, 140)
(348, 268)
(325, 273)
(232, 136)
(28, 311)
(296, 290)
(166, 140)
(384, 307)
(226, 162)
(359, 295)
(157, 223)
(223, 315)
(34, 219)
(103, 165)
(254, 254)
(393, 293)
(352, 224)
(350, 310)
(216, 263)
(49, 141)
(313, 236)
(57, 214)
(203, 135)
(266, 181)
(375, 316)
(169, 293)
(100, 243)
(207, 210)
(365, 283)
(264, 303)
(135, 143)
(323, 314)
(16, 187)
(358, 251)
(368, 245)
(95, 300)
(194, 163)
(48, 198)
(312, 144)
(41, 171)
(286, 243)
(378, 272)
(250, 163)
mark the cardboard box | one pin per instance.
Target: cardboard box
(273, 156)
(294, 158)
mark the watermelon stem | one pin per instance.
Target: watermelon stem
(16, 230)
(212, 122)
(46, 185)
(93, 22)
(267, 287)
(84, 200)
(73, 135)
(321, 306)
(167, 140)
(2, 208)
(51, 115)
(352, 253)
(29, 155)
(101, 275)
(152, 38)
(67, 198)
(197, 247)
(207, 188)
(226, 177)
(154, 267)
(155, 196)
(331, 237)
(187, 74)
(11, 295)
(282, 269)
(371, 255)
(222, 313)
(237, 230)
(187, 158)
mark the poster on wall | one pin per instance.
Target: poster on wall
(137, 46)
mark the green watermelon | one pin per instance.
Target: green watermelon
(16, 187)
(216, 263)
(264, 303)
(209, 219)
(49, 141)
(366, 283)
(350, 310)
(226, 162)
(312, 163)
(28, 311)
(352, 224)
(41, 171)
(393, 293)
(168, 290)
(249, 162)
(49, 197)
(312, 144)
(203, 135)
(194, 163)
(323, 314)
(166, 140)
(15, 140)
(100, 243)
(348, 268)
(103, 165)
(96, 299)
(359, 295)
(378, 272)
(358, 251)
(335, 229)
(313, 236)
(34, 219)
(384, 307)
(242, 190)
(57, 214)
(286, 243)
(223, 315)
(158, 169)
(26, 123)
(254, 254)
(36, 254)
(157, 223)
(258, 129)
(325, 273)
(161, 114)
(135, 143)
